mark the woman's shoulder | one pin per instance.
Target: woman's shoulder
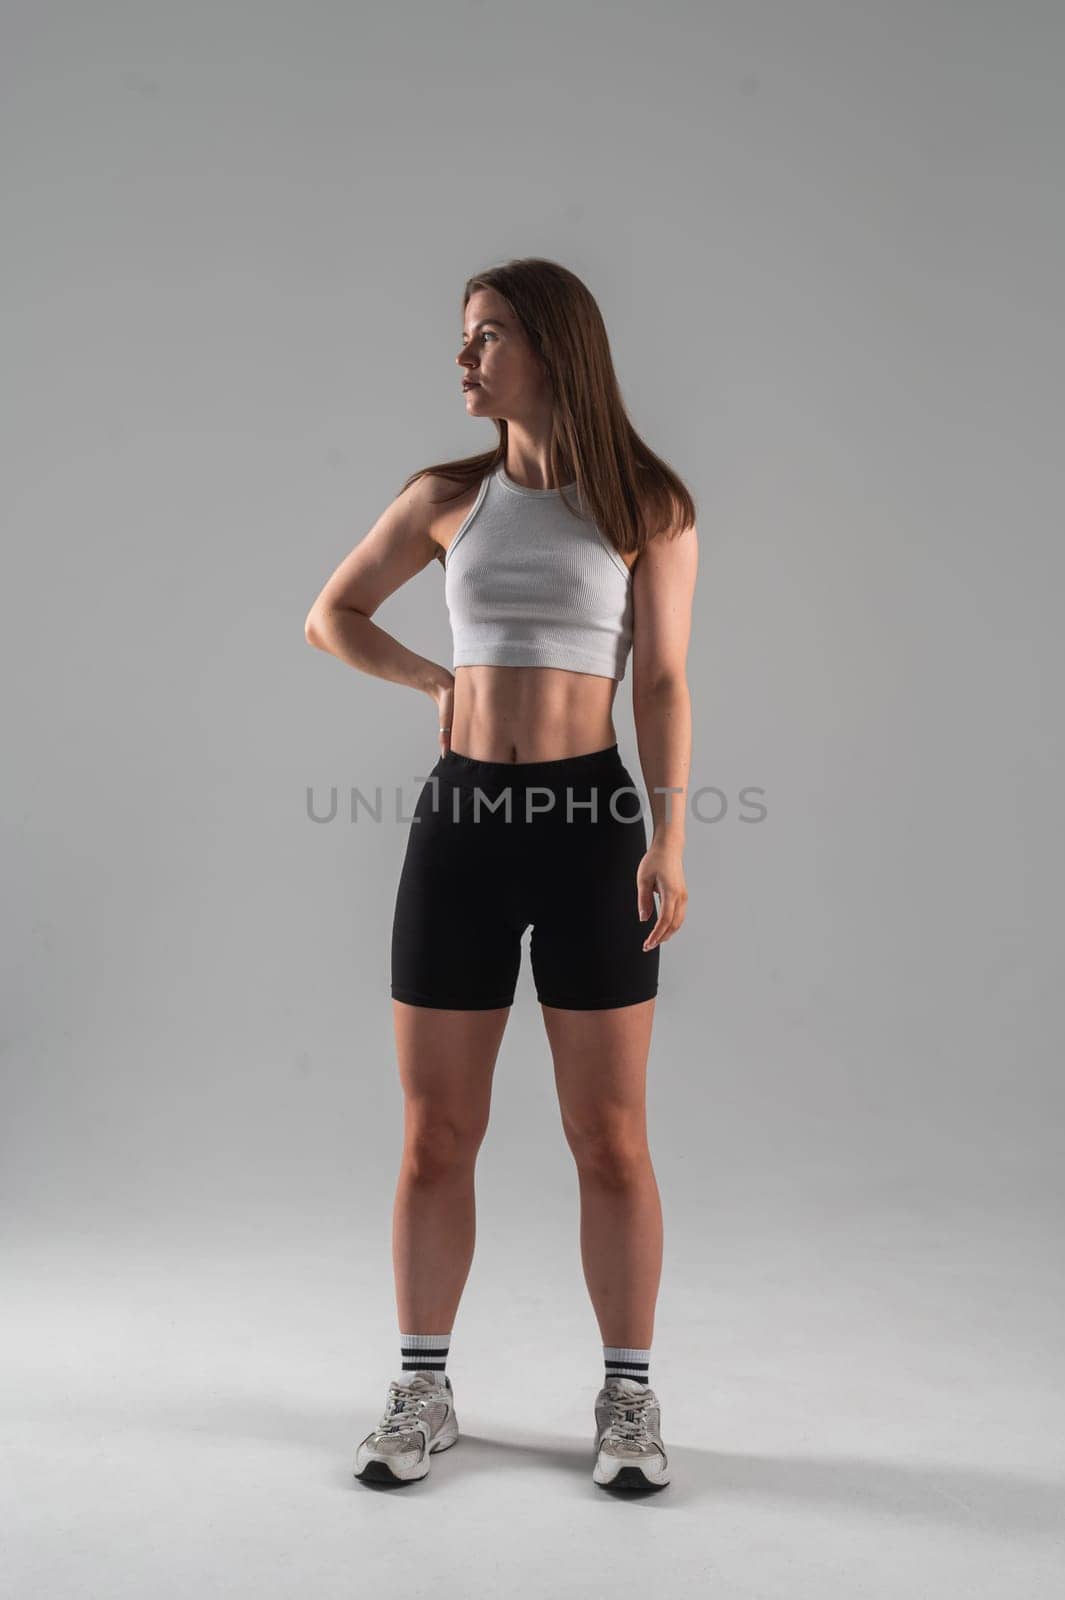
(444, 504)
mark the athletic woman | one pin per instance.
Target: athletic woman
(565, 547)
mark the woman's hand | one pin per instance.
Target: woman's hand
(661, 869)
(444, 695)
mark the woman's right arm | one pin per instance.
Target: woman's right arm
(397, 547)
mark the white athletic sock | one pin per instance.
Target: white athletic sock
(424, 1352)
(624, 1361)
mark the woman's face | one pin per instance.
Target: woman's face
(509, 379)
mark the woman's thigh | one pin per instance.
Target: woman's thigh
(600, 1065)
(458, 919)
(587, 940)
(446, 1064)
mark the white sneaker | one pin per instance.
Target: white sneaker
(629, 1453)
(419, 1417)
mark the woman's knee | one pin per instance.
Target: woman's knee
(438, 1144)
(612, 1151)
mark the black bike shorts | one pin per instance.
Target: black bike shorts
(495, 846)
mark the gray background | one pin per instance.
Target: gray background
(828, 243)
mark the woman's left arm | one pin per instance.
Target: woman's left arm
(663, 591)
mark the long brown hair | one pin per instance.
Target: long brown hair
(627, 490)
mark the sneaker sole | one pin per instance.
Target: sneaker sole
(631, 1477)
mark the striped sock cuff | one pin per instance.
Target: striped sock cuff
(624, 1361)
(424, 1352)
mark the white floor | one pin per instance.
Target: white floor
(853, 1407)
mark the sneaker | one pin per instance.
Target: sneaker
(629, 1453)
(419, 1417)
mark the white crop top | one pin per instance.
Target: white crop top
(528, 584)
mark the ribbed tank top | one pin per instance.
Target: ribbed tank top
(527, 584)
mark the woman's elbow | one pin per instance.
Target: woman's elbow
(662, 684)
(314, 628)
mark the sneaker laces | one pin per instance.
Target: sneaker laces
(628, 1416)
(402, 1409)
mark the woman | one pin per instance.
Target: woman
(564, 547)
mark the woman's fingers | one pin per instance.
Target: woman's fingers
(672, 903)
